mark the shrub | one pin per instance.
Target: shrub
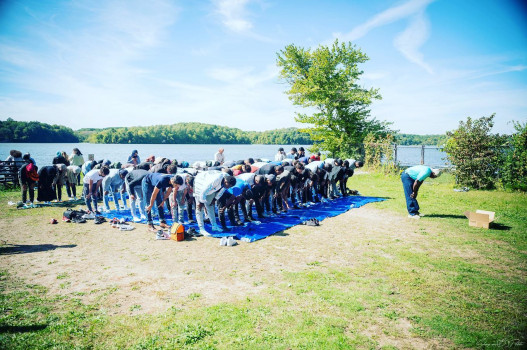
(475, 153)
(378, 153)
(514, 172)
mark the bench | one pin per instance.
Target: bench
(9, 174)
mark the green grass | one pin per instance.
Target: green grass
(448, 296)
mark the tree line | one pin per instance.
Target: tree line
(14, 131)
(180, 133)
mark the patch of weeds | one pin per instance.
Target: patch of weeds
(314, 263)
(62, 276)
(135, 307)
(52, 262)
(65, 285)
(392, 315)
(256, 284)
(194, 296)
(192, 334)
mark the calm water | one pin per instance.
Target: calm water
(43, 153)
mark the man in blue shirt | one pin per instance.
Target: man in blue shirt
(412, 179)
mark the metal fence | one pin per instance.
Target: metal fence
(420, 154)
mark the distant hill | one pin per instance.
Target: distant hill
(413, 139)
(180, 133)
(13, 131)
(197, 133)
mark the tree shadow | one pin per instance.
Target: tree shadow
(445, 216)
(12, 249)
(22, 329)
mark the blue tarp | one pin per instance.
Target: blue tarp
(252, 232)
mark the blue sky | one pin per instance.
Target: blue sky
(88, 63)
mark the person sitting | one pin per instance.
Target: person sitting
(219, 156)
(15, 156)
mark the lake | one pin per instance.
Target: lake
(43, 153)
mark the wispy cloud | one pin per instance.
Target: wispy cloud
(235, 17)
(410, 40)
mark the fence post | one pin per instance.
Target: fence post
(394, 153)
(422, 154)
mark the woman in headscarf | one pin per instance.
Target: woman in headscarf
(46, 179)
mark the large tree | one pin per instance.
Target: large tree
(326, 81)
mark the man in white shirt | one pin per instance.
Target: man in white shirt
(92, 180)
(208, 186)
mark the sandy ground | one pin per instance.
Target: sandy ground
(120, 269)
(69, 258)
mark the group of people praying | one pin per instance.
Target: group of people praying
(229, 188)
(232, 189)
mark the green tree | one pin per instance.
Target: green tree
(326, 80)
(475, 152)
(514, 170)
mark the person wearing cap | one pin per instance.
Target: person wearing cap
(60, 159)
(134, 158)
(114, 182)
(412, 178)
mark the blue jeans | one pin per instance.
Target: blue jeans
(148, 189)
(93, 199)
(411, 203)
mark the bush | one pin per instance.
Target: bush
(514, 173)
(475, 153)
(378, 153)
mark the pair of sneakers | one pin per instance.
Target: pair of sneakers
(227, 241)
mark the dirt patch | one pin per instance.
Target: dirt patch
(124, 269)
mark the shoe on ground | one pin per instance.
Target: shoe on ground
(89, 216)
(204, 233)
(223, 241)
(136, 219)
(415, 216)
(126, 227)
(230, 241)
(160, 235)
